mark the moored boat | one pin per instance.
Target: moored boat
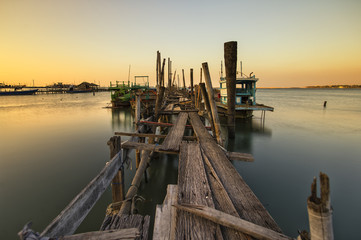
(245, 96)
(18, 92)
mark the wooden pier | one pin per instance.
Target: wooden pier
(210, 200)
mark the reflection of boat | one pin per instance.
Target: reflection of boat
(245, 97)
(22, 92)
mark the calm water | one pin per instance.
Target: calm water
(51, 146)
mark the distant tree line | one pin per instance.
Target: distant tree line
(335, 86)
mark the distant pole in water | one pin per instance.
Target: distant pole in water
(230, 62)
(324, 104)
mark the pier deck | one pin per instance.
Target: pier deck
(210, 201)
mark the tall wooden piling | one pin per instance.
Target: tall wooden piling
(159, 100)
(169, 73)
(118, 181)
(320, 211)
(230, 61)
(212, 103)
(158, 68)
(184, 81)
(192, 93)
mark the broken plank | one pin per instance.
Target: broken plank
(230, 221)
(165, 215)
(175, 135)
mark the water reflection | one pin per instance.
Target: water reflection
(121, 118)
(246, 130)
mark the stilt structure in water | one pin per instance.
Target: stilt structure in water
(210, 200)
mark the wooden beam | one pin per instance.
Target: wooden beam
(149, 135)
(245, 201)
(165, 215)
(71, 217)
(118, 181)
(193, 188)
(230, 221)
(175, 134)
(217, 124)
(127, 233)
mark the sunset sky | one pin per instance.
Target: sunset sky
(286, 43)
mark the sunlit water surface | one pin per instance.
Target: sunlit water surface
(52, 145)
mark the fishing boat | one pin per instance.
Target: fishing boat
(123, 95)
(18, 92)
(245, 96)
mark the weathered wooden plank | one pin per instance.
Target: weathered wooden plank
(175, 134)
(245, 157)
(221, 200)
(165, 215)
(217, 124)
(247, 204)
(130, 233)
(230, 221)
(150, 135)
(193, 188)
(70, 218)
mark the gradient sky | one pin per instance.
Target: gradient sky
(286, 43)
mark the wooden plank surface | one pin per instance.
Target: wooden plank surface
(129, 233)
(71, 217)
(165, 215)
(175, 134)
(193, 188)
(230, 221)
(246, 203)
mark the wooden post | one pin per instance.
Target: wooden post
(158, 103)
(192, 93)
(196, 96)
(212, 103)
(158, 67)
(207, 105)
(118, 181)
(137, 108)
(162, 74)
(184, 81)
(169, 74)
(230, 61)
(320, 211)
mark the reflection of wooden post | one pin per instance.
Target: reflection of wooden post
(230, 61)
(207, 105)
(212, 103)
(320, 211)
(118, 180)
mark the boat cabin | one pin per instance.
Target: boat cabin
(245, 90)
